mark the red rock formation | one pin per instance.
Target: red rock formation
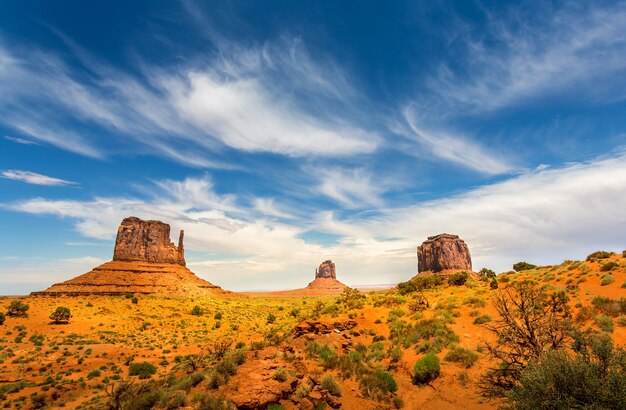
(443, 252)
(326, 270)
(147, 241)
(145, 261)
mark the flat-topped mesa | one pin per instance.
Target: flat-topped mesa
(443, 252)
(147, 241)
(326, 270)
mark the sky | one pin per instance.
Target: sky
(281, 134)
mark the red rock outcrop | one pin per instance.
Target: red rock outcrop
(443, 252)
(145, 261)
(326, 270)
(147, 241)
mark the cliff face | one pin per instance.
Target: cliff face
(326, 270)
(147, 241)
(443, 252)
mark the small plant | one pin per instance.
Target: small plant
(217, 315)
(280, 374)
(607, 280)
(2, 318)
(481, 319)
(520, 266)
(426, 369)
(18, 308)
(271, 318)
(130, 295)
(463, 356)
(609, 266)
(197, 311)
(493, 284)
(605, 323)
(598, 255)
(134, 300)
(486, 274)
(144, 370)
(93, 374)
(458, 278)
(379, 382)
(60, 315)
(329, 384)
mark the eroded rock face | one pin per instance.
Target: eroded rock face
(147, 241)
(326, 270)
(443, 252)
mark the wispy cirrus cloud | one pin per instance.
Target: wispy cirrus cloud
(34, 178)
(20, 140)
(270, 97)
(573, 48)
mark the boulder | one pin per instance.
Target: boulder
(443, 252)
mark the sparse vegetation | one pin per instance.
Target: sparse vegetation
(17, 308)
(458, 278)
(144, 370)
(465, 357)
(522, 266)
(609, 266)
(426, 369)
(60, 315)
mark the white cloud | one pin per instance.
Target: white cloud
(573, 49)
(352, 188)
(34, 178)
(459, 150)
(20, 140)
(271, 97)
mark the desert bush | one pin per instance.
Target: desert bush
(2, 318)
(420, 283)
(607, 280)
(531, 321)
(280, 374)
(352, 298)
(174, 401)
(482, 319)
(486, 274)
(520, 266)
(591, 377)
(426, 369)
(197, 311)
(127, 395)
(474, 301)
(18, 308)
(328, 383)
(220, 347)
(605, 323)
(432, 334)
(418, 303)
(609, 266)
(144, 370)
(493, 284)
(38, 401)
(217, 315)
(271, 318)
(134, 300)
(378, 384)
(61, 315)
(94, 373)
(458, 278)
(215, 403)
(463, 356)
(593, 257)
(609, 306)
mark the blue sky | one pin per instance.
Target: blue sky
(280, 134)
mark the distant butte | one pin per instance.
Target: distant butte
(443, 252)
(326, 278)
(145, 261)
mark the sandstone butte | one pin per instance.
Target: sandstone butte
(145, 261)
(326, 279)
(443, 253)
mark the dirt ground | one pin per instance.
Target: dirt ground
(74, 365)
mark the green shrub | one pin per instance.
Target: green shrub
(94, 373)
(481, 319)
(144, 370)
(18, 308)
(609, 306)
(607, 280)
(197, 311)
(458, 278)
(426, 369)
(2, 318)
(494, 283)
(61, 315)
(474, 301)
(520, 266)
(271, 318)
(280, 374)
(432, 334)
(486, 274)
(593, 377)
(420, 283)
(328, 383)
(463, 356)
(134, 300)
(378, 383)
(609, 266)
(129, 295)
(598, 255)
(605, 323)
(217, 316)
(215, 403)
